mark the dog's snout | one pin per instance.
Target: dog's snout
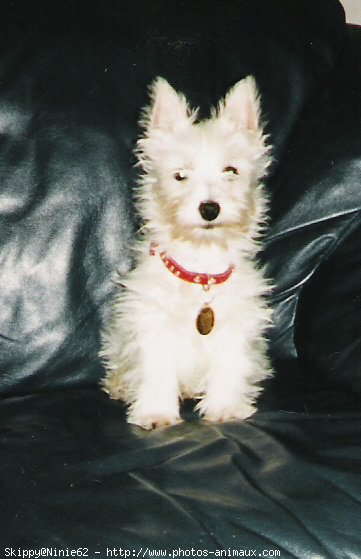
(209, 210)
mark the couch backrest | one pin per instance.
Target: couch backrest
(73, 78)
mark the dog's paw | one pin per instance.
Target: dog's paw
(225, 413)
(153, 421)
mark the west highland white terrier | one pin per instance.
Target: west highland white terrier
(189, 320)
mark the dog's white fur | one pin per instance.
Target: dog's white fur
(152, 351)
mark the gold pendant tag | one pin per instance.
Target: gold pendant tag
(205, 321)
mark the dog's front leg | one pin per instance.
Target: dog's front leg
(157, 399)
(229, 393)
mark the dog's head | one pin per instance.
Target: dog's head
(201, 180)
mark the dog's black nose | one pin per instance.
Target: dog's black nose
(209, 210)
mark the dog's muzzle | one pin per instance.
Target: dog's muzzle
(209, 210)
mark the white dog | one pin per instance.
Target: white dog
(191, 318)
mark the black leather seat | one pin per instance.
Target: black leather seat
(74, 475)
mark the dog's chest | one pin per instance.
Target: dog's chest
(195, 310)
(189, 309)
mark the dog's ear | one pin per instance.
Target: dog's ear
(168, 109)
(242, 105)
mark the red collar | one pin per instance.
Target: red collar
(191, 277)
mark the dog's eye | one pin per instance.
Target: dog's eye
(180, 176)
(230, 171)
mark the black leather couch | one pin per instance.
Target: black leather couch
(76, 479)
